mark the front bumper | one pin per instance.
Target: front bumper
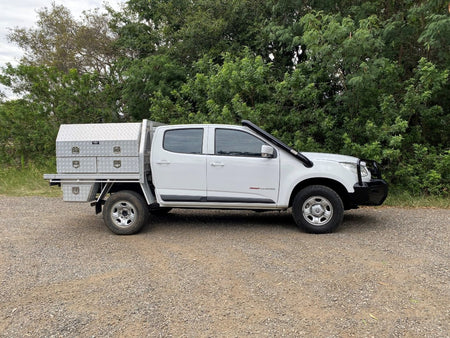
(369, 193)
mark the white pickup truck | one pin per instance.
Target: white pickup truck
(133, 170)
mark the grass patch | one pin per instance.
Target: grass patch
(27, 181)
(406, 199)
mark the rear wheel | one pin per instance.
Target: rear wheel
(125, 212)
(318, 209)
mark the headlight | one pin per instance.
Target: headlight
(352, 167)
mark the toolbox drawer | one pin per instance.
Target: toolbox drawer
(117, 164)
(70, 165)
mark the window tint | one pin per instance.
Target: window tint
(237, 143)
(188, 141)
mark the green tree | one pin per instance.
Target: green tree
(60, 41)
(67, 75)
(24, 133)
(367, 78)
(63, 97)
(240, 88)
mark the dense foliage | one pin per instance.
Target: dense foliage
(366, 78)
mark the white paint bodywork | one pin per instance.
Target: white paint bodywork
(238, 177)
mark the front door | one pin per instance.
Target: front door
(236, 172)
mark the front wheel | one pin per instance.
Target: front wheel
(125, 212)
(317, 209)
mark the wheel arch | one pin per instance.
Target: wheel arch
(136, 187)
(330, 183)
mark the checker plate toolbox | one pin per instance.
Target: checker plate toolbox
(89, 157)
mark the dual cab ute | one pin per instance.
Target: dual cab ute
(130, 171)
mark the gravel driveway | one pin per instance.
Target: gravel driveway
(385, 272)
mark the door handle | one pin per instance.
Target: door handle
(162, 162)
(217, 164)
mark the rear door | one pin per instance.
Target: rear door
(179, 165)
(236, 172)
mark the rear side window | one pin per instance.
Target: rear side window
(187, 141)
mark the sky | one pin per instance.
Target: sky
(22, 13)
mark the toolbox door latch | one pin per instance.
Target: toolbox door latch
(117, 164)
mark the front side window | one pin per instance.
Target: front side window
(187, 141)
(237, 143)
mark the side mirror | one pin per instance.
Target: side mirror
(267, 151)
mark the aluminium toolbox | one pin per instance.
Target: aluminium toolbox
(79, 192)
(98, 148)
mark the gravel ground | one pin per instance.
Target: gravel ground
(385, 272)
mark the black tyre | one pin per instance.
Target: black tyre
(125, 212)
(317, 209)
